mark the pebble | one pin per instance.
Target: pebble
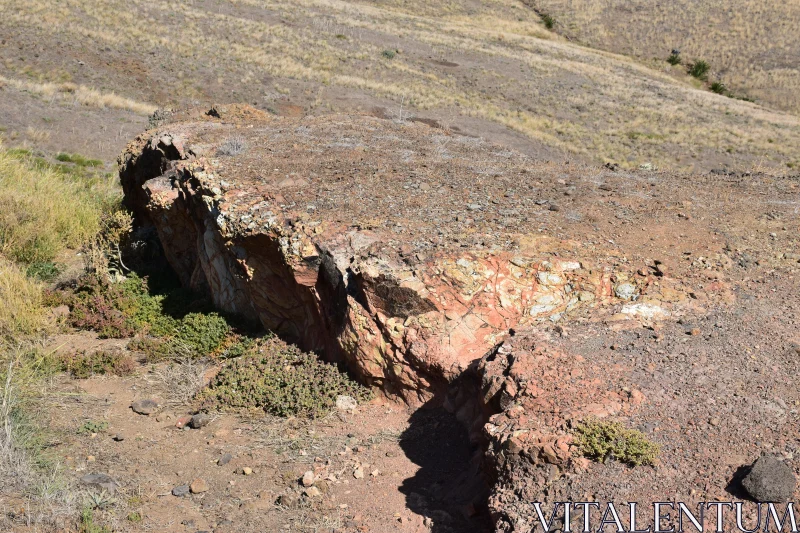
(769, 480)
(625, 291)
(183, 421)
(313, 492)
(246, 471)
(346, 403)
(225, 459)
(199, 420)
(119, 437)
(198, 485)
(99, 481)
(308, 478)
(358, 473)
(181, 490)
(144, 407)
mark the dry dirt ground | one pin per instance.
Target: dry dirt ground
(403, 484)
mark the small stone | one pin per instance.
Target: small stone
(181, 490)
(694, 332)
(183, 421)
(313, 492)
(375, 473)
(91, 459)
(769, 480)
(714, 422)
(100, 482)
(358, 473)
(119, 437)
(198, 485)
(553, 207)
(225, 459)
(308, 478)
(246, 471)
(625, 291)
(346, 403)
(199, 420)
(144, 407)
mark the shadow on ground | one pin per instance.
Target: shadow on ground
(448, 489)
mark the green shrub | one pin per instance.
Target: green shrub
(282, 380)
(83, 365)
(548, 20)
(389, 54)
(674, 59)
(44, 270)
(599, 440)
(699, 69)
(79, 160)
(718, 87)
(93, 426)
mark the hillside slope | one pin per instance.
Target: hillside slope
(486, 69)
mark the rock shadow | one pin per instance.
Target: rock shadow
(449, 489)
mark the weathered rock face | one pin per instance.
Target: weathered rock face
(403, 251)
(384, 245)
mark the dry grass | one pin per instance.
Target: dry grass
(22, 313)
(513, 72)
(77, 95)
(753, 47)
(44, 209)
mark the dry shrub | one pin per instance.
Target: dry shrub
(22, 312)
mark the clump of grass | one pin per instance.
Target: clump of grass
(600, 440)
(699, 69)
(79, 160)
(548, 20)
(718, 87)
(84, 365)
(44, 270)
(22, 313)
(389, 54)
(674, 59)
(87, 524)
(44, 210)
(281, 380)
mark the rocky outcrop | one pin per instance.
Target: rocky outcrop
(400, 250)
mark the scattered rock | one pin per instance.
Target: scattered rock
(181, 490)
(346, 403)
(183, 421)
(246, 471)
(769, 480)
(625, 291)
(308, 479)
(313, 492)
(358, 473)
(100, 482)
(119, 437)
(225, 459)
(199, 420)
(144, 407)
(198, 486)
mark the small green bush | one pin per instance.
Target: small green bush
(389, 54)
(79, 160)
(44, 270)
(83, 365)
(598, 440)
(282, 380)
(699, 69)
(93, 426)
(674, 59)
(549, 21)
(718, 87)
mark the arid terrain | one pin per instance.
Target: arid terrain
(751, 46)
(369, 266)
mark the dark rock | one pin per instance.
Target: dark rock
(144, 407)
(181, 490)
(769, 480)
(225, 459)
(100, 482)
(199, 420)
(119, 437)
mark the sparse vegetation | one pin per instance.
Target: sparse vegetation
(601, 440)
(83, 365)
(718, 87)
(674, 59)
(78, 160)
(389, 54)
(93, 426)
(281, 380)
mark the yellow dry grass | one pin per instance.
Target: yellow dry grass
(77, 94)
(597, 105)
(753, 47)
(22, 313)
